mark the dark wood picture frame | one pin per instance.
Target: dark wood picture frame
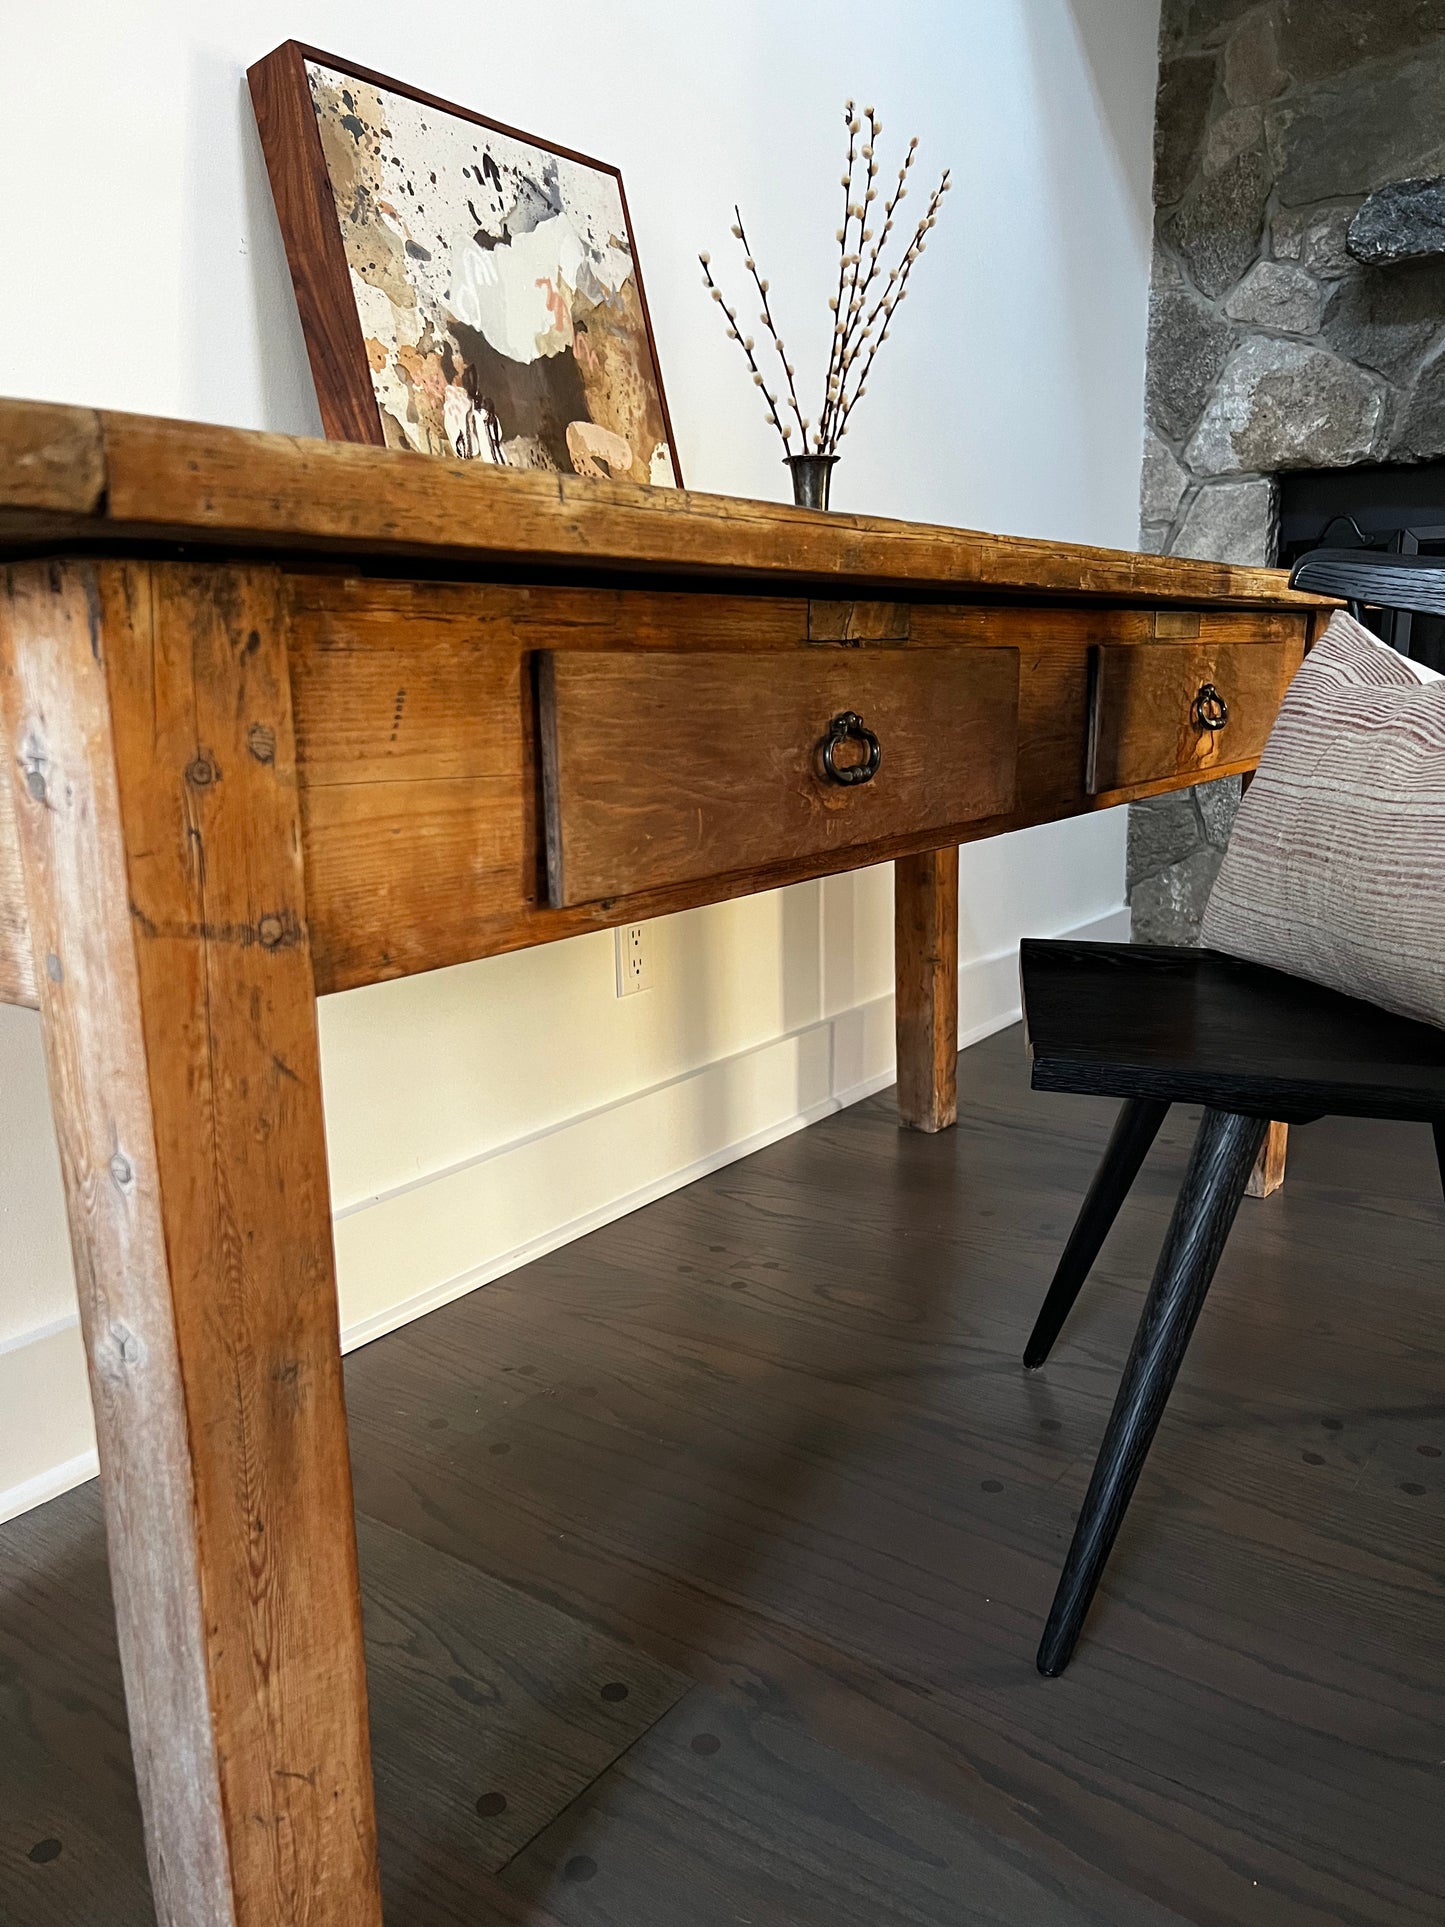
(315, 250)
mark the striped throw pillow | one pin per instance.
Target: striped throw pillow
(1336, 867)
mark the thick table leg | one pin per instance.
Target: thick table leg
(148, 723)
(925, 940)
(1268, 1173)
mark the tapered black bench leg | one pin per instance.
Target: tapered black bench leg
(1135, 1129)
(1440, 1148)
(1219, 1168)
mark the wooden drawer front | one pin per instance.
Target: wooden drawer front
(1144, 722)
(663, 766)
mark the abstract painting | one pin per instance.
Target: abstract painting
(492, 305)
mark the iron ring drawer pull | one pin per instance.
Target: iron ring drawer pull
(1209, 709)
(850, 727)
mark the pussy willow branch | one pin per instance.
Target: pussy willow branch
(735, 333)
(848, 263)
(836, 304)
(861, 317)
(766, 317)
(887, 304)
(856, 320)
(844, 324)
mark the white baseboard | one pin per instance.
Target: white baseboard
(535, 1194)
(532, 1196)
(47, 1436)
(413, 1249)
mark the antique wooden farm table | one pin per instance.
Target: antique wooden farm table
(284, 717)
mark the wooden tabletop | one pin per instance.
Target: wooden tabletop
(93, 476)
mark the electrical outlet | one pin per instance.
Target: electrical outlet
(634, 958)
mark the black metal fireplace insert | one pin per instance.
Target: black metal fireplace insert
(1396, 509)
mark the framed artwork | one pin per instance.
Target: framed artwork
(465, 290)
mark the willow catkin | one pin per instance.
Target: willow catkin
(867, 296)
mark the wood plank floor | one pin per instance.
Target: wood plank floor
(771, 1434)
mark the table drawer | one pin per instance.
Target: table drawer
(1151, 706)
(663, 766)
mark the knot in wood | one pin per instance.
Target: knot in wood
(271, 930)
(202, 772)
(120, 1169)
(35, 760)
(119, 1351)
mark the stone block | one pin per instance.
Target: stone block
(1388, 317)
(1188, 347)
(1163, 831)
(1231, 134)
(1162, 482)
(1168, 907)
(1282, 404)
(1386, 125)
(1229, 522)
(1315, 237)
(1402, 222)
(1278, 295)
(1164, 271)
(1209, 20)
(1218, 805)
(1253, 71)
(1421, 434)
(1217, 226)
(1319, 39)
(1172, 36)
(1186, 88)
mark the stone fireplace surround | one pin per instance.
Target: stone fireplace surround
(1271, 346)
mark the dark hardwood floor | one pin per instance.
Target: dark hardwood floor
(764, 1457)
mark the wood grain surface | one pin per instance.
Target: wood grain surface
(315, 253)
(773, 1431)
(149, 722)
(163, 478)
(662, 768)
(859, 622)
(1143, 724)
(1268, 1173)
(763, 1822)
(17, 965)
(52, 460)
(416, 744)
(309, 494)
(493, 1711)
(61, 757)
(1191, 1026)
(1204, 1212)
(416, 753)
(851, 1503)
(925, 973)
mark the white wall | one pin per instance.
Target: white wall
(478, 1114)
